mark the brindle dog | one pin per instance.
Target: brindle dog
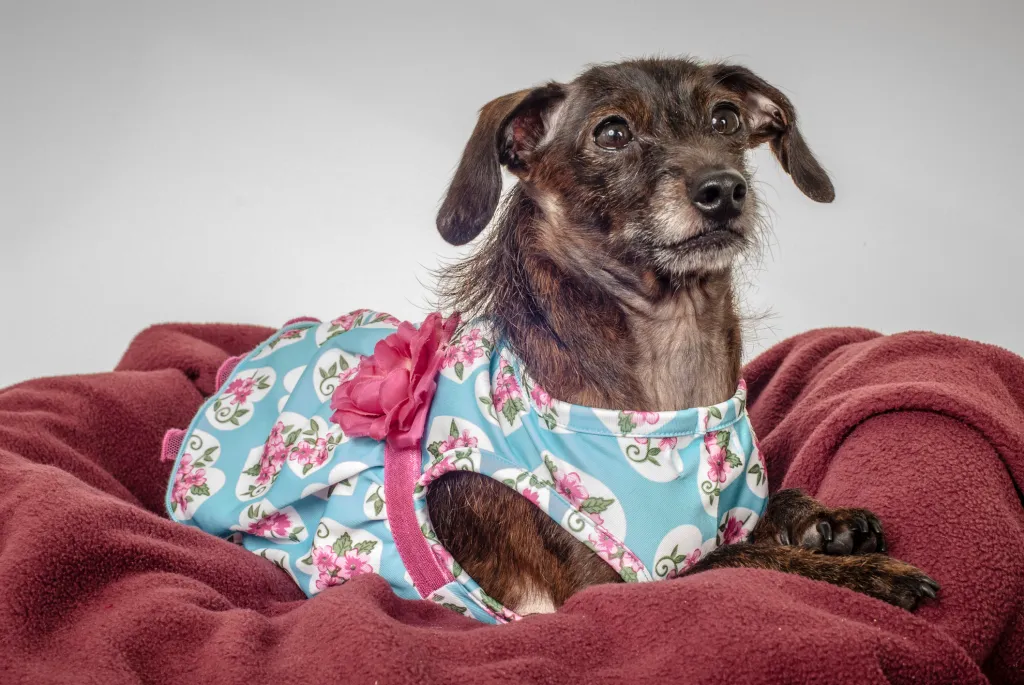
(610, 272)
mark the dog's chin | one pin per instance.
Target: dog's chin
(712, 250)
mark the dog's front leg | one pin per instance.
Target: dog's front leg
(793, 518)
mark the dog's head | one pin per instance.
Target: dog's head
(645, 156)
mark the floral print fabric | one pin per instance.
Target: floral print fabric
(651, 493)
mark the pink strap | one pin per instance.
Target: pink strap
(171, 444)
(401, 469)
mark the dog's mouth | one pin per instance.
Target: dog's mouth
(714, 237)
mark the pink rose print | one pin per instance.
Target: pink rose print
(716, 458)
(240, 389)
(733, 531)
(187, 480)
(341, 561)
(324, 557)
(438, 469)
(453, 443)
(354, 564)
(668, 443)
(466, 350)
(571, 487)
(390, 394)
(506, 388)
(541, 398)
(604, 543)
(532, 495)
(630, 420)
(274, 455)
(273, 525)
(675, 564)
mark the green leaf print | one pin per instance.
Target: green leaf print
(509, 482)
(626, 423)
(200, 490)
(209, 453)
(653, 452)
(427, 533)
(342, 544)
(549, 421)
(254, 470)
(378, 502)
(595, 505)
(332, 370)
(323, 373)
(715, 412)
(366, 546)
(314, 426)
(453, 431)
(628, 574)
(732, 460)
(253, 512)
(306, 468)
(460, 368)
(294, 535)
(454, 607)
(757, 471)
(722, 438)
(493, 604)
(456, 569)
(511, 408)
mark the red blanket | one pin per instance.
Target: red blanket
(97, 586)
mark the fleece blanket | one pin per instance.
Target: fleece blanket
(97, 586)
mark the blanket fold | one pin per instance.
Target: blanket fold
(97, 586)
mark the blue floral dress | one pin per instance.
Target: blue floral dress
(262, 463)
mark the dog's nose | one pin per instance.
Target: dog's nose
(719, 194)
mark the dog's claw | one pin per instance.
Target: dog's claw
(825, 530)
(928, 590)
(861, 524)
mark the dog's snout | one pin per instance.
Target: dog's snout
(719, 194)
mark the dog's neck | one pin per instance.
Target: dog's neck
(588, 329)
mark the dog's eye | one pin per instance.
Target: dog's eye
(613, 134)
(725, 120)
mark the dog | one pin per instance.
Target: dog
(610, 270)
(437, 455)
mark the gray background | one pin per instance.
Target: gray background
(254, 161)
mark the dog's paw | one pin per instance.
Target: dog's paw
(889, 580)
(839, 532)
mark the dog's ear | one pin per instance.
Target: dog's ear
(770, 117)
(507, 132)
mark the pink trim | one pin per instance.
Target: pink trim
(171, 444)
(224, 372)
(302, 319)
(401, 469)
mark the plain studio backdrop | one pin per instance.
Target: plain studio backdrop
(256, 161)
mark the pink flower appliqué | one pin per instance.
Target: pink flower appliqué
(733, 531)
(390, 394)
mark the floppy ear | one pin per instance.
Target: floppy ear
(508, 130)
(770, 117)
